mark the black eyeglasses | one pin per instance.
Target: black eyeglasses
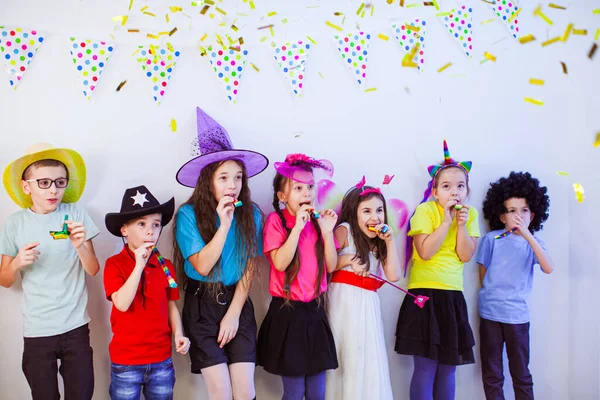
(45, 183)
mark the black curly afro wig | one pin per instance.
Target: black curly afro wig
(518, 185)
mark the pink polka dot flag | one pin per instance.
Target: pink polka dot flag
(460, 26)
(505, 9)
(17, 49)
(157, 63)
(291, 59)
(408, 34)
(90, 58)
(354, 49)
(228, 65)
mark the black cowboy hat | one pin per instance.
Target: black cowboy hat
(134, 206)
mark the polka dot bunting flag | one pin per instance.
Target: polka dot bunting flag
(354, 49)
(17, 48)
(228, 65)
(408, 34)
(90, 58)
(291, 59)
(158, 64)
(506, 10)
(460, 25)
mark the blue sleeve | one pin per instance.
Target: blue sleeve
(486, 248)
(258, 221)
(188, 237)
(541, 242)
(8, 245)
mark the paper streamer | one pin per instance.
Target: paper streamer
(90, 58)
(158, 63)
(354, 49)
(506, 10)
(408, 37)
(291, 59)
(17, 48)
(228, 65)
(460, 25)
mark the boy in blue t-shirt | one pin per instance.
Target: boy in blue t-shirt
(515, 207)
(49, 245)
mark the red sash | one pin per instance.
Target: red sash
(350, 278)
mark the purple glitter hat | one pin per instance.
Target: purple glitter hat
(215, 145)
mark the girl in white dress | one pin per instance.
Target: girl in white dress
(366, 247)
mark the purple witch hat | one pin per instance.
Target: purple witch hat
(215, 145)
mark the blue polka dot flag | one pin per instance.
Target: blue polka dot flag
(354, 49)
(158, 64)
(291, 59)
(410, 34)
(17, 48)
(228, 65)
(90, 58)
(459, 24)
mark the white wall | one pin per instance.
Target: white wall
(125, 140)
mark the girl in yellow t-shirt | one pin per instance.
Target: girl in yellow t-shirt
(443, 233)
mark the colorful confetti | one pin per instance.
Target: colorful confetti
(597, 141)
(579, 192)
(370, 90)
(582, 32)
(409, 35)
(534, 101)
(383, 37)
(551, 41)
(592, 51)
(332, 25)
(291, 59)
(118, 89)
(90, 58)
(17, 47)
(567, 32)
(173, 125)
(534, 81)
(459, 25)
(562, 173)
(158, 63)
(597, 34)
(444, 67)
(507, 11)
(556, 6)
(489, 56)
(228, 66)
(538, 13)
(526, 39)
(564, 67)
(354, 49)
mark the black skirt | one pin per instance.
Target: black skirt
(296, 339)
(440, 331)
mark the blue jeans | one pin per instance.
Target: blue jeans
(155, 380)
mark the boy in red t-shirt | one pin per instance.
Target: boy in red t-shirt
(144, 313)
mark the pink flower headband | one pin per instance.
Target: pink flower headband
(299, 167)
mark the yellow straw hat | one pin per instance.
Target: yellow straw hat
(45, 151)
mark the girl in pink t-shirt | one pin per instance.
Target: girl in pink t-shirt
(295, 340)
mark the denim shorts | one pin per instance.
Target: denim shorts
(156, 381)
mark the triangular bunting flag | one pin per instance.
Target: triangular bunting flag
(354, 49)
(507, 11)
(90, 58)
(229, 65)
(411, 36)
(17, 48)
(291, 59)
(460, 25)
(158, 64)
